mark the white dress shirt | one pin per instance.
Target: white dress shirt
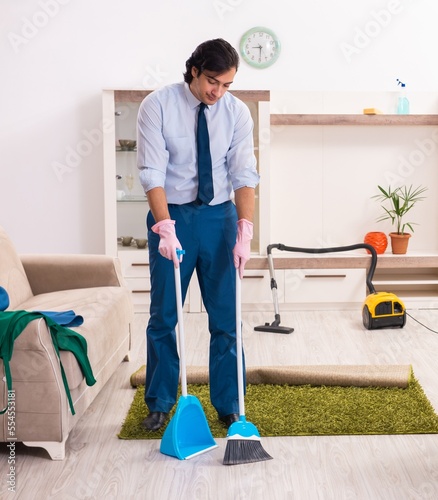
(166, 144)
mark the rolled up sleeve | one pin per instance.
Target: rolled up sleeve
(241, 159)
(152, 155)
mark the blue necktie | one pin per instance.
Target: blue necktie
(205, 176)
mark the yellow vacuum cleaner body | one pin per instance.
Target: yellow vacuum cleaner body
(383, 310)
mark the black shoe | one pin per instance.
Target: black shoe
(154, 421)
(227, 420)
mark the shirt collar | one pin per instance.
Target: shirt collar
(191, 99)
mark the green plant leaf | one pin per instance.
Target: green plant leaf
(397, 202)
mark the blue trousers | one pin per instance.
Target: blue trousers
(208, 235)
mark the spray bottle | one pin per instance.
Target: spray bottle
(402, 103)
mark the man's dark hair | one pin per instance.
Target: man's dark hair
(213, 55)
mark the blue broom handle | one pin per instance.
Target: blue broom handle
(239, 348)
(181, 340)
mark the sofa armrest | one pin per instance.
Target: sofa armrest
(53, 272)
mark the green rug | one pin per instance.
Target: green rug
(285, 410)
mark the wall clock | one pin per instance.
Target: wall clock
(260, 47)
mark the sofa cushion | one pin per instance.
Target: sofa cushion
(102, 308)
(12, 275)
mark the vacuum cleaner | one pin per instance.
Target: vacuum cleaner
(380, 309)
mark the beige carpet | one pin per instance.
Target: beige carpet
(333, 375)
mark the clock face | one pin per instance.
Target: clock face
(260, 47)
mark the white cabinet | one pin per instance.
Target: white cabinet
(325, 286)
(339, 282)
(256, 289)
(413, 278)
(303, 288)
(135, 269)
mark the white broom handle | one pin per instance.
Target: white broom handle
(239, 348)
(181, 340)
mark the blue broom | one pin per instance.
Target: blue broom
(243, 438)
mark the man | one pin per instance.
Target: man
(214, 233)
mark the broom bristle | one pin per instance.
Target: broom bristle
(244, 451)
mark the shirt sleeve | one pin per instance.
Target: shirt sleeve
(240, 157)
(152, 155)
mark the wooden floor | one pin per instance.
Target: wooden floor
(98, 465)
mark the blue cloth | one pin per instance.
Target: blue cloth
(205, 179)
(4, 299)
(166, 144)
(64, 318)
(212, 258)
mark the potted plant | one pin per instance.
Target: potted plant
(396, 203)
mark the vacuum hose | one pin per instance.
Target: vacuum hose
(370, 248)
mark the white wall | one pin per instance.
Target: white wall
(57, 56)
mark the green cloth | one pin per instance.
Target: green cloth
(12, 323)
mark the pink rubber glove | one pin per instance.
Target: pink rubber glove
(242, 248)
(168, 241)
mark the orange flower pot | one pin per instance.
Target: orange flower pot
(399, 242)
(377, 240)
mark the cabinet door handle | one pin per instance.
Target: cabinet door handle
(134, 264)
(258, 277)
(140, 291)
(325, 275)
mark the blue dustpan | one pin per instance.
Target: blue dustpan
(187, 433)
